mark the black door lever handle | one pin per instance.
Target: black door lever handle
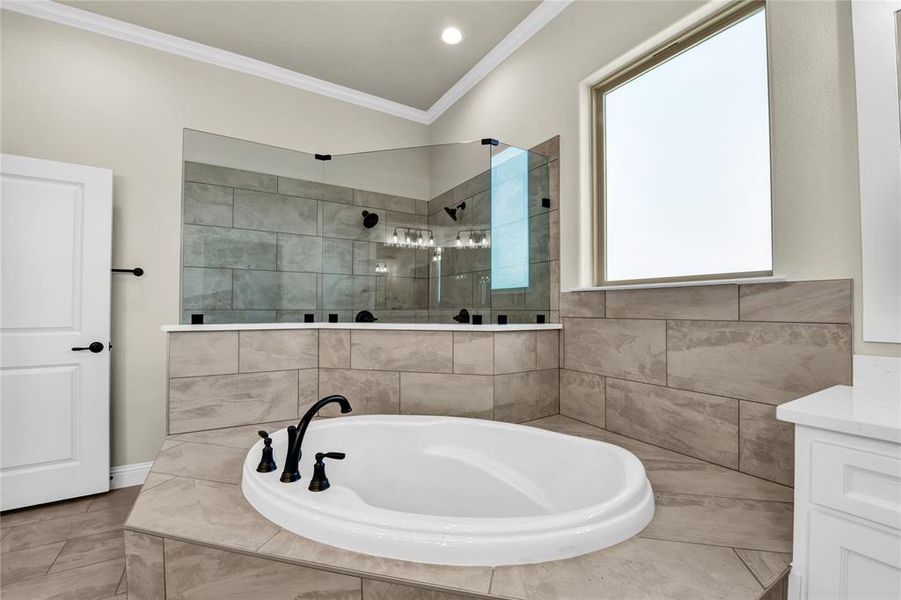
(95, 347)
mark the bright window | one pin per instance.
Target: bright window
(684, 158)
(510, 219)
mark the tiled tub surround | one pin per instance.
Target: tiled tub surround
(264, 248)
(239, 377)
(700, 370)
(716, 534)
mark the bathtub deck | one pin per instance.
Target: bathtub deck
(717, 533)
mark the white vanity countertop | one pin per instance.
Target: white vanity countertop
(377, 326)
(865, 411)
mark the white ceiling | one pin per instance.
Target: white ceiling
(389, 49)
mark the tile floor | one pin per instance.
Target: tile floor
(72, 549)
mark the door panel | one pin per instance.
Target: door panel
(45, 395)
(56, 225)
(41, 219)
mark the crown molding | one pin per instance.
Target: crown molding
(82, 19)
(543, 14)
(88, 21)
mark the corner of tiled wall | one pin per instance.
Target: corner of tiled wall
(700, 370)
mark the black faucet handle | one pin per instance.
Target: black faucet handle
(263, 434)
(320, 481)
(335, 455)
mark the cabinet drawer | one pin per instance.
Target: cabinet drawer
(855, 481)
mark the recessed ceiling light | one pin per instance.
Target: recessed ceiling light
(451, 35)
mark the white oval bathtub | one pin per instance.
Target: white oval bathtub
(455, 491)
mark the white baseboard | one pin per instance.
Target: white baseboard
(882, 372)
(129, 475)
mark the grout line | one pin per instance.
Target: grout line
(675, 541)
(748, 567)
(55, 558)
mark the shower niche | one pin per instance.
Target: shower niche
(410, 235)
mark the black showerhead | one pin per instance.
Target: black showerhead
(370, 220)
(452, 211)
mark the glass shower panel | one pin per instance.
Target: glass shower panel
(460, 216)
(251, 251)
(408, 235)
(520, 235)
(386, 234)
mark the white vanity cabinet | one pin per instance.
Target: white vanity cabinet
(847, 521)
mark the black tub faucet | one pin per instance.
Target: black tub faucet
(296, 434)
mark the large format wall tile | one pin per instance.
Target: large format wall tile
(450, 395)
(386, 201)
(699, 425)
(583, 397)
(274, 212)
(225, 176)
(426, 351)
(203, 353)
(299, 253)
(548, 349)
(369, 392)
(194, 571)
(473, 352)
(515, 351)
(624, 348)
(337, 256)
(582, 304)
(307, 389)
(145, 566)
(520, 397)
(206, 288)
(380, 590)
(346, 221)
(230, 248)
(314, 190)
(208, 204)
(258, 290)
(766, 445)
(298, 291)
(800, 301)
(764, 362)
(279, 350)
(293, 547)
(334, 348)
(348, 292)
(713, 302)
(227, 400)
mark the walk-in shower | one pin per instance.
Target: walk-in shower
(412, 235)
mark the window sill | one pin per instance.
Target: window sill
(672, 284)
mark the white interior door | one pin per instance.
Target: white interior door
(56, 228)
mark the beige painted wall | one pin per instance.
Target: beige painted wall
(79, 97)
(534, 95)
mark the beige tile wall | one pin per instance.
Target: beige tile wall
(700, 370)
(224, 379)
(167, 568)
